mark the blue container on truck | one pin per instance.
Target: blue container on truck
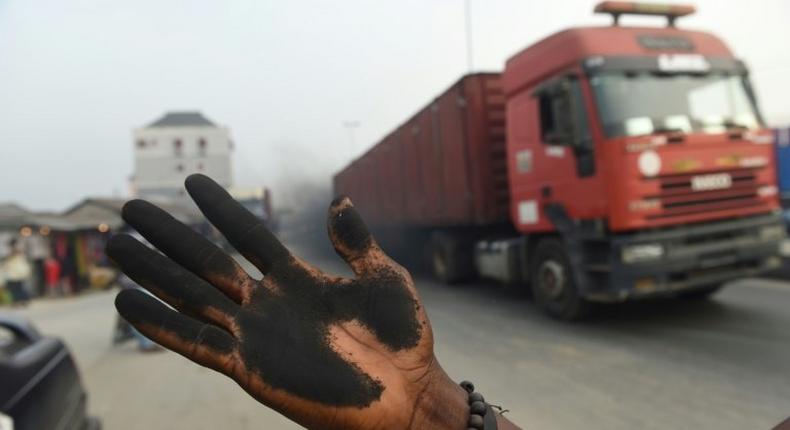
(782, 139)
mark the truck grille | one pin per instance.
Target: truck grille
(679, 198)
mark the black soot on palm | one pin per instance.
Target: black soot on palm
(289, 345)
(281, 328)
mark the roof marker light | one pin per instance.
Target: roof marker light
(670, 11)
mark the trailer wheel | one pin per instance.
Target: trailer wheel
(450, 259)
(553, 285)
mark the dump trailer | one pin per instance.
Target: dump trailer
(603, 164)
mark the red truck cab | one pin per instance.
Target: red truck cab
(649, 141)
(646, 110)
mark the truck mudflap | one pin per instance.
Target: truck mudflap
(674, 260)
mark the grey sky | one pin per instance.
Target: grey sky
(77, 76)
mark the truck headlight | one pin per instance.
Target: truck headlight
(6, 422)
(643, 252)
(772, 232)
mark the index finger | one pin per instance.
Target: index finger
(242, 229)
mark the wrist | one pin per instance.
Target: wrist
(443, 405)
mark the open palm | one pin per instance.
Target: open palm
(328, 352)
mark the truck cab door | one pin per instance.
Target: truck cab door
(549, 127)
(570, 178)
(564, 124)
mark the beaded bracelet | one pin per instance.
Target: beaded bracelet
(481, 415)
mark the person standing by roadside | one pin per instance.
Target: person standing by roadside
(144, 344)
(16, 272)
(52, 277)
(124, 330)
(37, 250)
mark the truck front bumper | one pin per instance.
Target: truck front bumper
(691, 257)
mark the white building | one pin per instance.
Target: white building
(175, 146)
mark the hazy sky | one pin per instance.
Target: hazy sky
(77, 76)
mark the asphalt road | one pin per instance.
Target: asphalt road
(721, 364)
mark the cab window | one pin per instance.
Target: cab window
(563, 120)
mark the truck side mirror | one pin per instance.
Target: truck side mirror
(555, 112)
(563, 120)
(574, 107)
(570, 120)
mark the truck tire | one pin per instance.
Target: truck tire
(450, 258)
(553, 285)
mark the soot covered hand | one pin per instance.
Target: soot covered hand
(328, 352)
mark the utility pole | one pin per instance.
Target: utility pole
(468, 16)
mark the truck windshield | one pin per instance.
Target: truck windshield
(646, 103)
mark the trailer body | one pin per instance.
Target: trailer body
(445, 166)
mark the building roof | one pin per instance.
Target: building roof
(82, 215)
(11, 215)
(87, 214)
(12, 210)
(182, 119)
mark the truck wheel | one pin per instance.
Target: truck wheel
(553, 285)
(450, 259)
(700, 294)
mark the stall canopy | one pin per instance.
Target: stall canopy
(88, 214)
